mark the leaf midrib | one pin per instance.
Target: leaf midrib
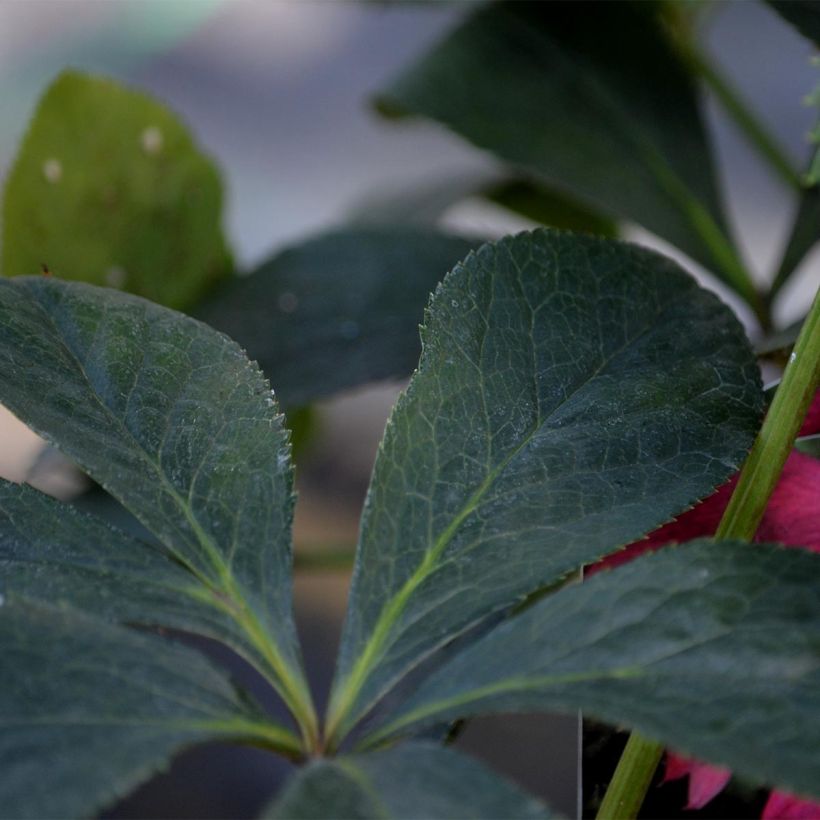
(261, 730)
(374, 648)
(708, 230)
(519, 683)
(241, 613)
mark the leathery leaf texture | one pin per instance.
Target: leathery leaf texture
(711, 647)
(406, 782)
(109, 187)
(173, 420)
(52, 553)
(559, 410)
(88, 710)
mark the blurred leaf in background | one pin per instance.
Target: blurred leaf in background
(110, 188)
(612, 120)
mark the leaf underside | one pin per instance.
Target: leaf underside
(710, 647)
(109, 188)
(558, 412)
(407, 782)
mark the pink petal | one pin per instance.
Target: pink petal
(705, 781)
(677, 767)
(782, 806)
(700, 521)
(793, 514)
(792, 517)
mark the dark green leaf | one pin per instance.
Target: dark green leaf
(611, 119)
(341, 310)
(540, 204)
(171, 418)
(411, 781)
(109, 188)
(558, 412)
(804, 15)
(711, 648)
(52, 553)
(89, 710)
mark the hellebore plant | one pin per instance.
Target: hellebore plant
(556, 413)
(572, 395)
(791, 518)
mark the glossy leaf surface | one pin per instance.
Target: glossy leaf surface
(610, 119)
(172, 419)
(407, 782)
(110, 188)
(339, 311)
(89, 710)
(710, 648)
(558, 413)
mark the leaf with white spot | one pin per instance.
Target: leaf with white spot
(109, 188)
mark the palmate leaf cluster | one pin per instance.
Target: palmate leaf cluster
(572, 394)
(557, 413)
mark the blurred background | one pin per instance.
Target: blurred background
(277, 93)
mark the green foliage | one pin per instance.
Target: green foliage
(547, 424)
(693, 645)
(109, 188)
(572, 395)
(804, 15)
(803, 236)
(171, 418)
(339, 310)
(407, 782)
(596, 421)
(612, 120)
(89, 710)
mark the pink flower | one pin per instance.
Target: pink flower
(705, 781)
(792, 518)
(782, 806)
